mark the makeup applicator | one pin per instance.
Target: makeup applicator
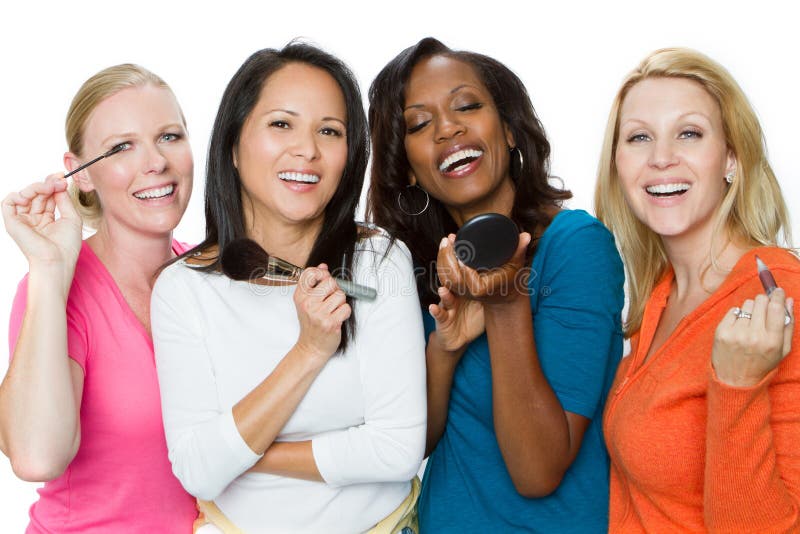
(244, 260)
(111, 152)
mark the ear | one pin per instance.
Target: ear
(730, 164)
(509, 136)
(234, 153)
(412, 179)
(82, 178)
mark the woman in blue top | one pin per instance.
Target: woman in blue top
(517, 378)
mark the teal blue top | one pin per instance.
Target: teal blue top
(576, 294)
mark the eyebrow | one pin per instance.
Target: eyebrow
(453, 91)
(679, 117)
(296, 114)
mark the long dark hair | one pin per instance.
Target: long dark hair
(390, 168)
(223, 191)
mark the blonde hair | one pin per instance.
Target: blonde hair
(96, 89)
(753, 208)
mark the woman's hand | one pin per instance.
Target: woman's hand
(493, 286)
(30, 219)
(321, 309)
(458, 321)
(747, 349)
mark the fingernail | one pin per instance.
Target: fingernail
(443, 243)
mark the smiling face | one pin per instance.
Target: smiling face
(293, 148)
(146, 186)
(672, 156)
(456, 143)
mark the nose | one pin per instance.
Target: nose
(156, 162)
(305, 146)
(663, 154)
(447, 127)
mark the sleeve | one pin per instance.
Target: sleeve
(390, 444)
(77, 325)
(578, 328)
(752, 473)
(205, 448)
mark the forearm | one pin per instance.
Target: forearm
(263, 412)
(289, 459)
(533, 430)
(440, 369)
(39, 404)
(751, 474)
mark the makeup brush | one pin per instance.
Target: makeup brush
(111, 152)
(244, 260)
(769, 284)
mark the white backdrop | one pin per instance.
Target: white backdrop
(571, 56)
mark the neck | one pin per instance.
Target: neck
(690, 257)
(290, 242)
(131, 257)
(501, 201)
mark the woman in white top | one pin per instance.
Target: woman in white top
(292, 408)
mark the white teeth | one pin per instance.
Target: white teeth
(665, 189)
(298, 177)
(456, 156)
(155, 193)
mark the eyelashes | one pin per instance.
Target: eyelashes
(329, 131)
(467, 107)
(122, 147)
(333, 132)
(167, 137)
(689, 133)
(417, 127)
(470, 107)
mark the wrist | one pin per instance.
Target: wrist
(510, 304)
(437, 345)
(50, 279)
(312, 356)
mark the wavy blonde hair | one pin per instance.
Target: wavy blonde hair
(753, 208)
(102, 85)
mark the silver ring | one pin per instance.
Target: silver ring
(741, 314)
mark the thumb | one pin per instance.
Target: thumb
(522, 247)
(66, 208)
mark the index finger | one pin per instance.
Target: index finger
(448, 268)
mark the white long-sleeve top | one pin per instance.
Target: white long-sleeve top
(216, 339)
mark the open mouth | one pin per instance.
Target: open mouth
(667, 190)
(156, 192)
(298, 177)
(458, 160)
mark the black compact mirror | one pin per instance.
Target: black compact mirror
(486, 241)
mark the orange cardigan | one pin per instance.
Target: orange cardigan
(689, 453)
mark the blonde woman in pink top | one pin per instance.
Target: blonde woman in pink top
(79, 407)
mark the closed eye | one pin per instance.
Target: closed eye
(470, 107)
(417, 127)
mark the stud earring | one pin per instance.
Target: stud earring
(729, 177)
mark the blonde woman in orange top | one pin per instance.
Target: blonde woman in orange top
(703, 421)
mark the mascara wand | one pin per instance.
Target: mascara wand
(111, 152)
